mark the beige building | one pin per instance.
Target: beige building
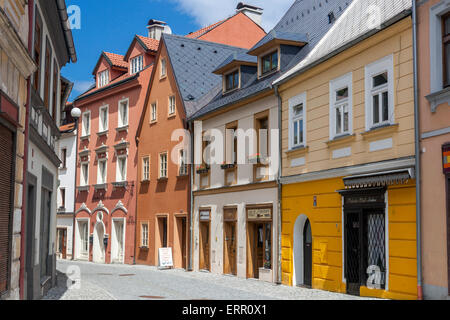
(16, 66)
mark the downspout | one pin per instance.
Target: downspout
(418, 158)
(191, 194)
(25, 157)
(75, 188)
(280, 104)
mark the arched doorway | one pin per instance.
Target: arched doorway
(302, 252)
(99, 247)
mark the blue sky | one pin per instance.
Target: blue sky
(110, 25)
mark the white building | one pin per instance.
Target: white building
(66, 192)
(52, 48)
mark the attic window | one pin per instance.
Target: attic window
(269, 63)
(137, 64)
(103, 78)
(331, 17)
(232, 81)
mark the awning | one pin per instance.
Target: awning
(380, 179)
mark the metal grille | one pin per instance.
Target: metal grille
(376, 243)
(6, 168)
(353, 249)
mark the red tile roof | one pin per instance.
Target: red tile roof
(150, 43)
(117, 60)
(123, 77)
(199, 33)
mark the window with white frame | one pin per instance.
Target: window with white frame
(341, 108)
(84, 237)
(103, 78)
(137, 64)
(86, 125)
(146, 169)
(171, 105)
(103, 119)
(380, 93)
(163, 68)
(154, 110)
(144, 235)
(163, 165)
(183, 171)
(84, 178)
(121, 169)
(101, 174)
(297, 121)
(123, 113)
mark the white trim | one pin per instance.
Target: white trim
(78, 243)
(119, 206)
(114, 240)
(103, 78)
(99, 175)
(298, 254)
(381, 145)
(84, 182)
(120, 124)
(138, 66)
(118, 173)
(335, 85)
(163, 71)
(385, 64)
(435, 45)
(436, 133)
(293, 102)
(342, 153)
(100, 122)
(83, 129)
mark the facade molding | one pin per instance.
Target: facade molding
(101, 207)
(435, 133)
(353, 170)
(83, 208)
(119, 206)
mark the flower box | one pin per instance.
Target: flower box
(204, 169)
(257, 159)
(228, 166)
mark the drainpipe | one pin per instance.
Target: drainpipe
(191, 194)
(75, 187)
(418, 158)
(25, 157)
(280, 104)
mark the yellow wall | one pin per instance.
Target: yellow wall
(396, 40)
(326, 223)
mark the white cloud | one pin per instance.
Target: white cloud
(82, 86)
(206, 12)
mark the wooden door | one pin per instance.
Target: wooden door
(230, 248)
(183, 243)
(204, 246)
(255, 250)
(64, 244)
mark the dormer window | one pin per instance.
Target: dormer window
(103, 78)
(232, 81)
(137, 64)
(269, 63)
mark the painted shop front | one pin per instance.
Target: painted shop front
(237, 237)
(354, 235)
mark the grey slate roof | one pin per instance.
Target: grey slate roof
(193, 62)
(241, 57)
(305, 17)
(351, 26)
(281, 35)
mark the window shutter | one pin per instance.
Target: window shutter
(6, 168)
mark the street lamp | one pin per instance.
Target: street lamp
(76, 114)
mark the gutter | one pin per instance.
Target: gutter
(64, 18)
(418, 159)
(280, 216)
(31, 17)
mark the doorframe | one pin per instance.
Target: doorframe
(66, 239)
(345, 193)
(298, 253)
(124, 221)
(200, 251)
(176, 240)
(93, 245)
(236, 233)
(77, 250)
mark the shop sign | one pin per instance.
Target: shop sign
(259, 214)
(205, 215)
(165, 258)
(446, 158)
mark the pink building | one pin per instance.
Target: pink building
(434, 96)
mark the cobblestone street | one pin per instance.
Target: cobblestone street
(119, 282)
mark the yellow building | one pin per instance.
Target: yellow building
(348, 165)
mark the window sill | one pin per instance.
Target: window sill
(101, 186)
(340, 140)
(144, 248)
(123, 129)
(171, 116)
(163, 179)
(145, 181)
(230, 91)
(438, 98)
(163, 77)
(153, 122)
(86, 137)
(380, 131)
(83, 188)
(298, 151)
(265, 75)
(102, 133)
(182, 176)
(120, 184)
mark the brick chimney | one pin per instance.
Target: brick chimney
(254, 13)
